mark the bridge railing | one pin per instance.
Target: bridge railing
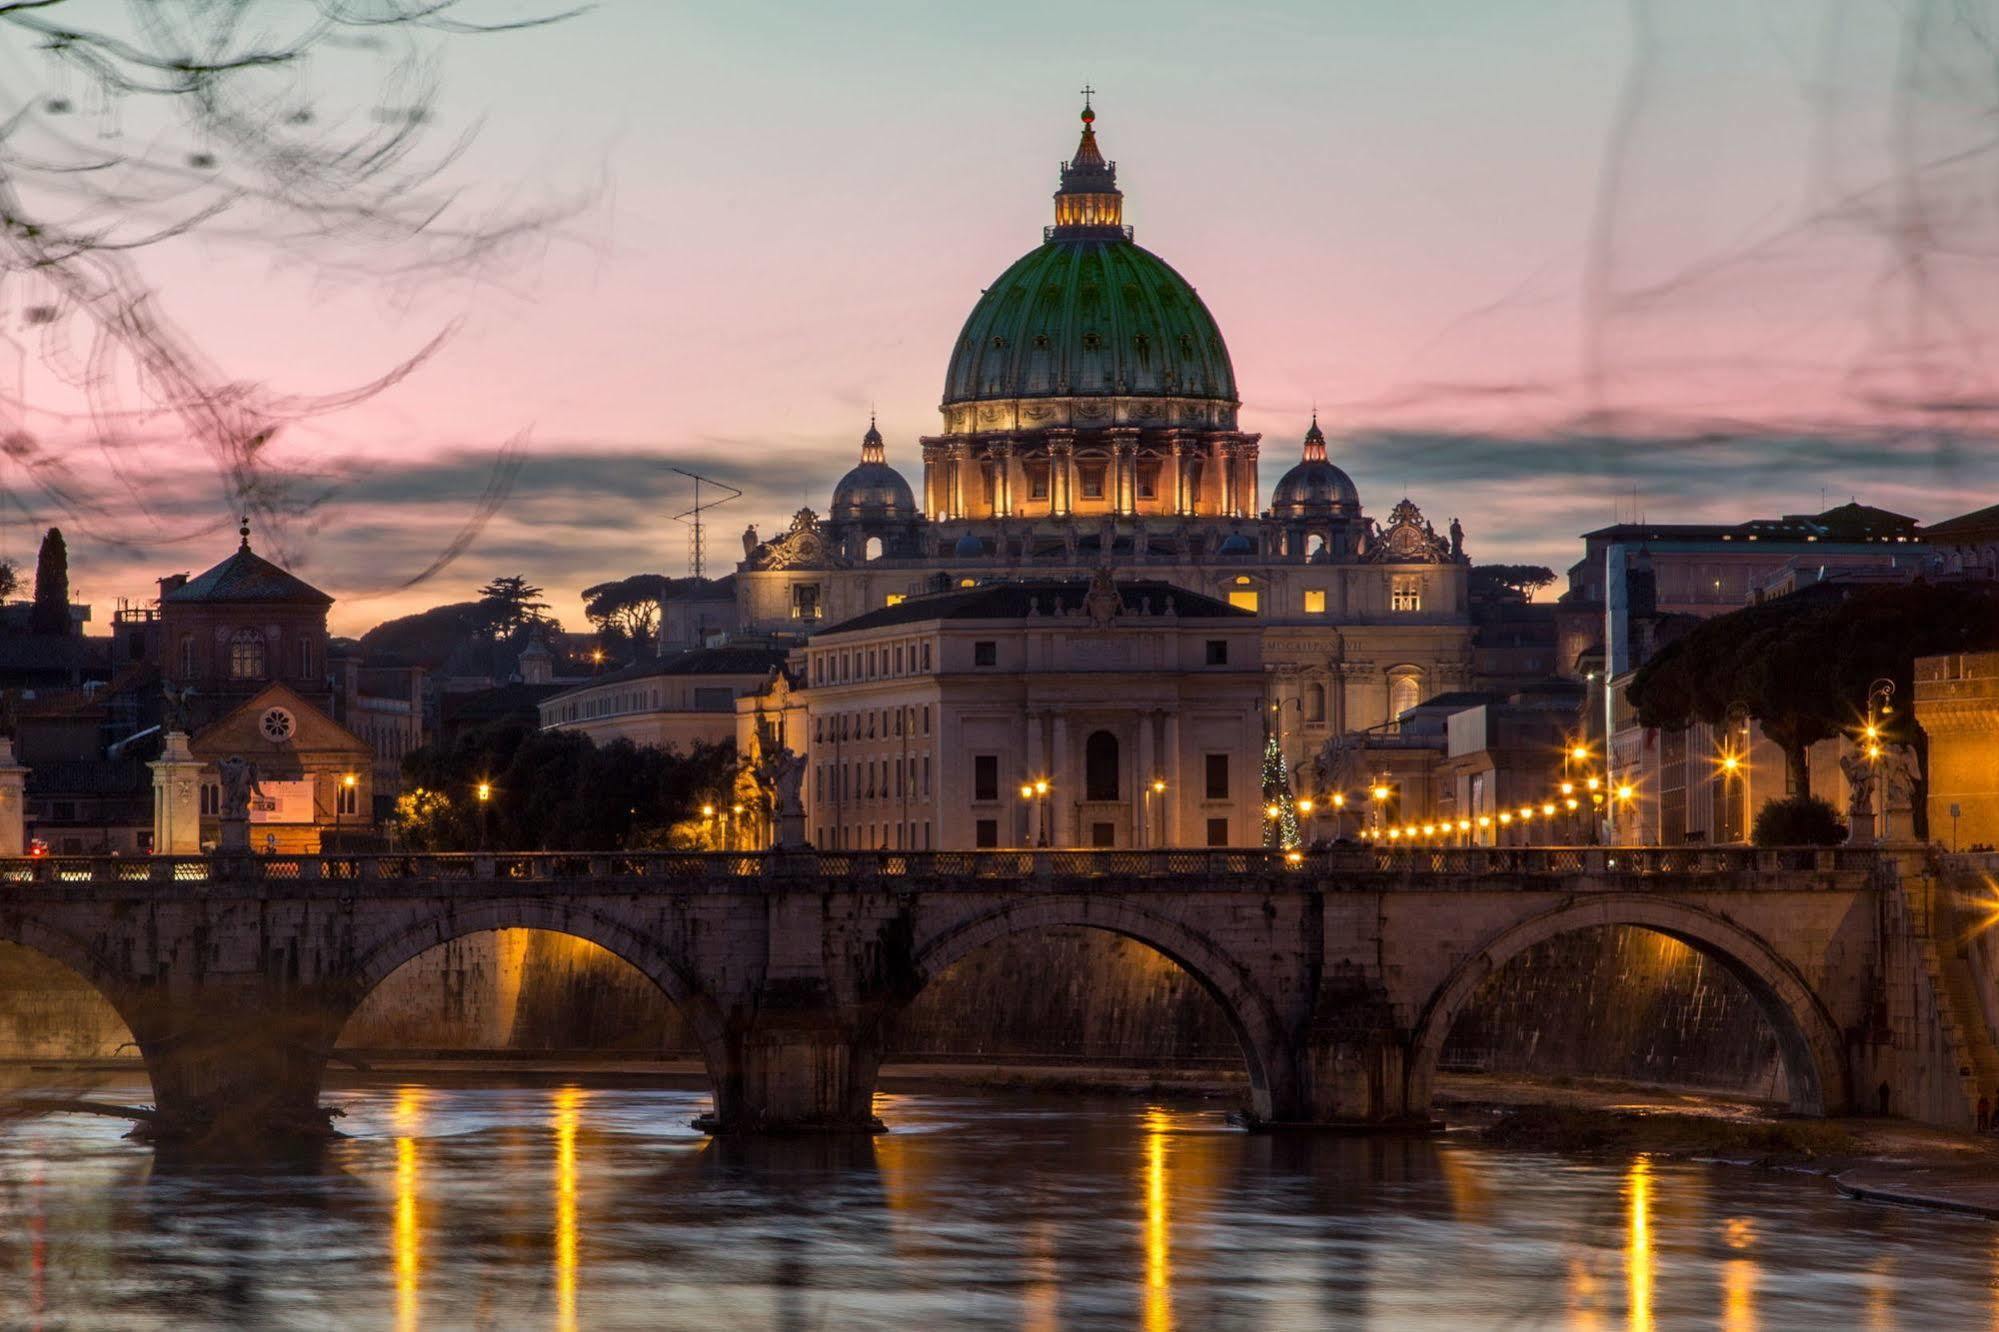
(724, 867)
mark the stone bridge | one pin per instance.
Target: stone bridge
(1341, 972)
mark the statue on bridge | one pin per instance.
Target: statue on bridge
(1860, 775)
(781, 774)
(239, 786)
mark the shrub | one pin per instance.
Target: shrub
(1801, 820)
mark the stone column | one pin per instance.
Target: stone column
(1005, 468)
(13, 801)
(1149, 812)
(1037, 769)
(176, 799)
(933, 481)
(1177, 794)
(1124, 468)
(1061, 471)
(1064, 795)
(961, 459)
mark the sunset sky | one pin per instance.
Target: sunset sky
(1539, 264)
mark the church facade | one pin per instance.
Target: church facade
(1089, 420)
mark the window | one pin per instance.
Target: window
(1406, 593)
(1218, 832)
(305, 658)
(1245, 600)
(985, 833)
(714, 698)
(1037, 481)
(1218, 776)
(985, 652)
(187, 656)
(1091, 475)
(1315, 703)
(1100, 766)
(1405, 691)
(1218, 652)
(805, 601)
(1103, 834)
(246, 655)
(985, 777)
(347, 798)
(1315, 601)
(894, 599)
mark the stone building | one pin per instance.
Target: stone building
(681, 700)
(1957, 704)
(1045, 712)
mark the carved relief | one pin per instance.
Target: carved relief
(805, 546)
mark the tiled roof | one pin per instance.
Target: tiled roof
(694, 661)
(248, 576)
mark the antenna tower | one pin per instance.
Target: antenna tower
(696, 537)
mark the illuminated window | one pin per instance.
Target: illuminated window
(968, 582)
(1405, 691)
(1407, 593)
(246, 655)
(1315, 601)
(1244, 601)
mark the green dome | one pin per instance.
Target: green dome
(1089, 316)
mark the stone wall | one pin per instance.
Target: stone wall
(1618, 1002)
(48, 1011)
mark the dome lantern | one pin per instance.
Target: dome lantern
(1089, 201)
(1315, 488)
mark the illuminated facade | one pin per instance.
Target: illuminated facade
(1089, 419)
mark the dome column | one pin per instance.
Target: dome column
(1124, 469)
(1061, 472)
(933, 480)
(1176, 494)
(1006, 468)
(961, 458)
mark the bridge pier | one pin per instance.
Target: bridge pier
(796, 1068)
(235, 1075)
(1353, 1062)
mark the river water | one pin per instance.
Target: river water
(591, 1208)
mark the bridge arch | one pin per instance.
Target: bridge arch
(650, 957)
(93, 970)
(1249, 1012)
(1808, 1040)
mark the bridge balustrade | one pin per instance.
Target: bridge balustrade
(1678, 862)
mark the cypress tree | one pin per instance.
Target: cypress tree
(50, 613)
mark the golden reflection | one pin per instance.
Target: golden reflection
(1041, 1300)
(1738, 1295)
(1158, 1252)
(1638, 1247)
(567, 1103)
(1582, 1298)
(408, 1115)
(1881, 1294)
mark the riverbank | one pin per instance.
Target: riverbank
(1889, 1161)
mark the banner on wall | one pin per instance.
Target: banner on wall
(282, 802)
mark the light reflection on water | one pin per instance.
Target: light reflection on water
(596, 1208)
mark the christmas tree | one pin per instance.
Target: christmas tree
(1281, 831)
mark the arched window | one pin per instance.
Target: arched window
(1315, 702)
(187, 657)
(1405, 691)
(246, 655)
(873, 549)
(1100, 766)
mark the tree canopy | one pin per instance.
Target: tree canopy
(628, 608)
(1801, 665)
(555, 791)
(50, 612)
(1520, 581)
(511, 604)
(427, 638)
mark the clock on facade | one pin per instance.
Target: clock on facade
(277, 724)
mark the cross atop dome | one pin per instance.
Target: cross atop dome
(1315, 440)
(871, 443)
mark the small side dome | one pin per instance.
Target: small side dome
(1315, 488)
(1236, 544)
(873, 490)
(969, 547)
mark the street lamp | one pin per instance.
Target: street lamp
(1040, 789)
(340, 799)
(1155, 832)
(485, 794)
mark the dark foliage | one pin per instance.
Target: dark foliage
(50, 613)
(1801, 664)
(1803, 820)
(427, 638)
(1508, 582)
(628, 608)
(556, 791)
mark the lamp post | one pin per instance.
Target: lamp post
(732, 821)
(1880, 705)
(485, 794)
(340, 799)
(708, 826)
(1154, 831)
(1041, 798)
